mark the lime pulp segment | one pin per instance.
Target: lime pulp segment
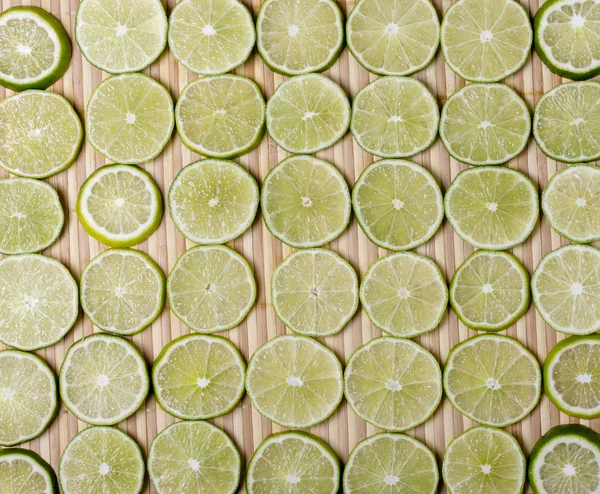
(24, 472)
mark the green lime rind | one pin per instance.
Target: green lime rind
(38, 464)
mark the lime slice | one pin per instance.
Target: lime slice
(307, 114)
(123, 37)
(484, 459)
(129, 118)
(404, 294)
(40, 134)
(314, 292)
(25, 472)
(490, 291)
(393, 384)
(198, 377)
(492, 207)
(190, 457)
(294, 463)
(103, 379)
(305, 202)
(28, 397)
(391, 463)
(565, 289)
(122, 291)
(398, 204)
(486, 40)
(38, 301)
(566, 122)
(213, 201)
(294, 381)
(120, 205)
(485, 124)
(492, 379)
(211, 289)
(102, 459)
(35, 48)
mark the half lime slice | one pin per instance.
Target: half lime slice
(25, 472)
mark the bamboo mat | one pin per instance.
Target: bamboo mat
(344, 429)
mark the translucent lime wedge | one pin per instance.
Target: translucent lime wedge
(25, 472)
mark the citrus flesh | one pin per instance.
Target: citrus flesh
(25, 472)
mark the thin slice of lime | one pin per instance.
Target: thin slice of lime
(40, 134)
(294, 381)
(393, 384)
(404, 294)
(391, 463)
(25, 472)
(398, 204)
(120, 205)
(103, 379)
(102, 459)
(566, 122)
(305, 202)
(485, 124)
(191, 457)
(492, 207)
(28, 397)
(213, 201)
(490, 291)
(121, 37)
(198, 377)
(307, 114)
(484, 459)
(211, 289)
(129, 118)
(486, 40)
(294, 463)
(38, 301)
(122, 291)
(35, 49)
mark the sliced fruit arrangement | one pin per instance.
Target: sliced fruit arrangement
(404, 294)
(393, 384)
(299, 36)
(490, 291)
(314, 292)
(294, 381)
(213, 201)
(25, 472)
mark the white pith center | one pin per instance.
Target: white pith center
(23, 49)
(102, 380)
(220, 112)
(202, 382)
(306, 202)
(485, 124)
(208, 30)
(194, 465)
(293, 30)
(569, 470)
(391, 28)
(20, 216)
(7, 394)
(30, 302)
(403, 293)
(576, 289)
(581, 202)
(213, 202)
(314, 291)
(119, 202)
(34, 132)
(393, 385)
(294, 381)
(584, 378)
(394, 119)
(209, 288)
(119, 292)
(487, 288)
(398, 204)
(130, 118)
(492, 206)
(577, 121)
(121, 30)
(292, 479)
(309, 114)
(493, 384)
(577, 21)
(104, 469)
(391, 480)
(486, 36)
(486, 469)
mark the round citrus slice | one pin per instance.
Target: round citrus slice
(213, 201)
(25, 472)
(294, 381)
(393, 384)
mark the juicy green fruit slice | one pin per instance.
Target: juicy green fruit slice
(120, 205)
(393, 37)
(398, 204)
(492, 208)
(103, 379)
(25, 472)
(213, 201)
(38, 301)
(211, 289)
(198, 377)
(391, 463)
(40, 134)
(393, 384)
(299, 36)
(294, 381)
(566, 122)
(492, 379)
(305, 202)
(485, 124)
(125, 36)
(295, 463)
(308, 113)
(486, 40)
(490, 291)
(484, 459)
(102, 459)
(189, 457)
(404, 294)
(129, 118)
(35, 49)
(28, 398)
